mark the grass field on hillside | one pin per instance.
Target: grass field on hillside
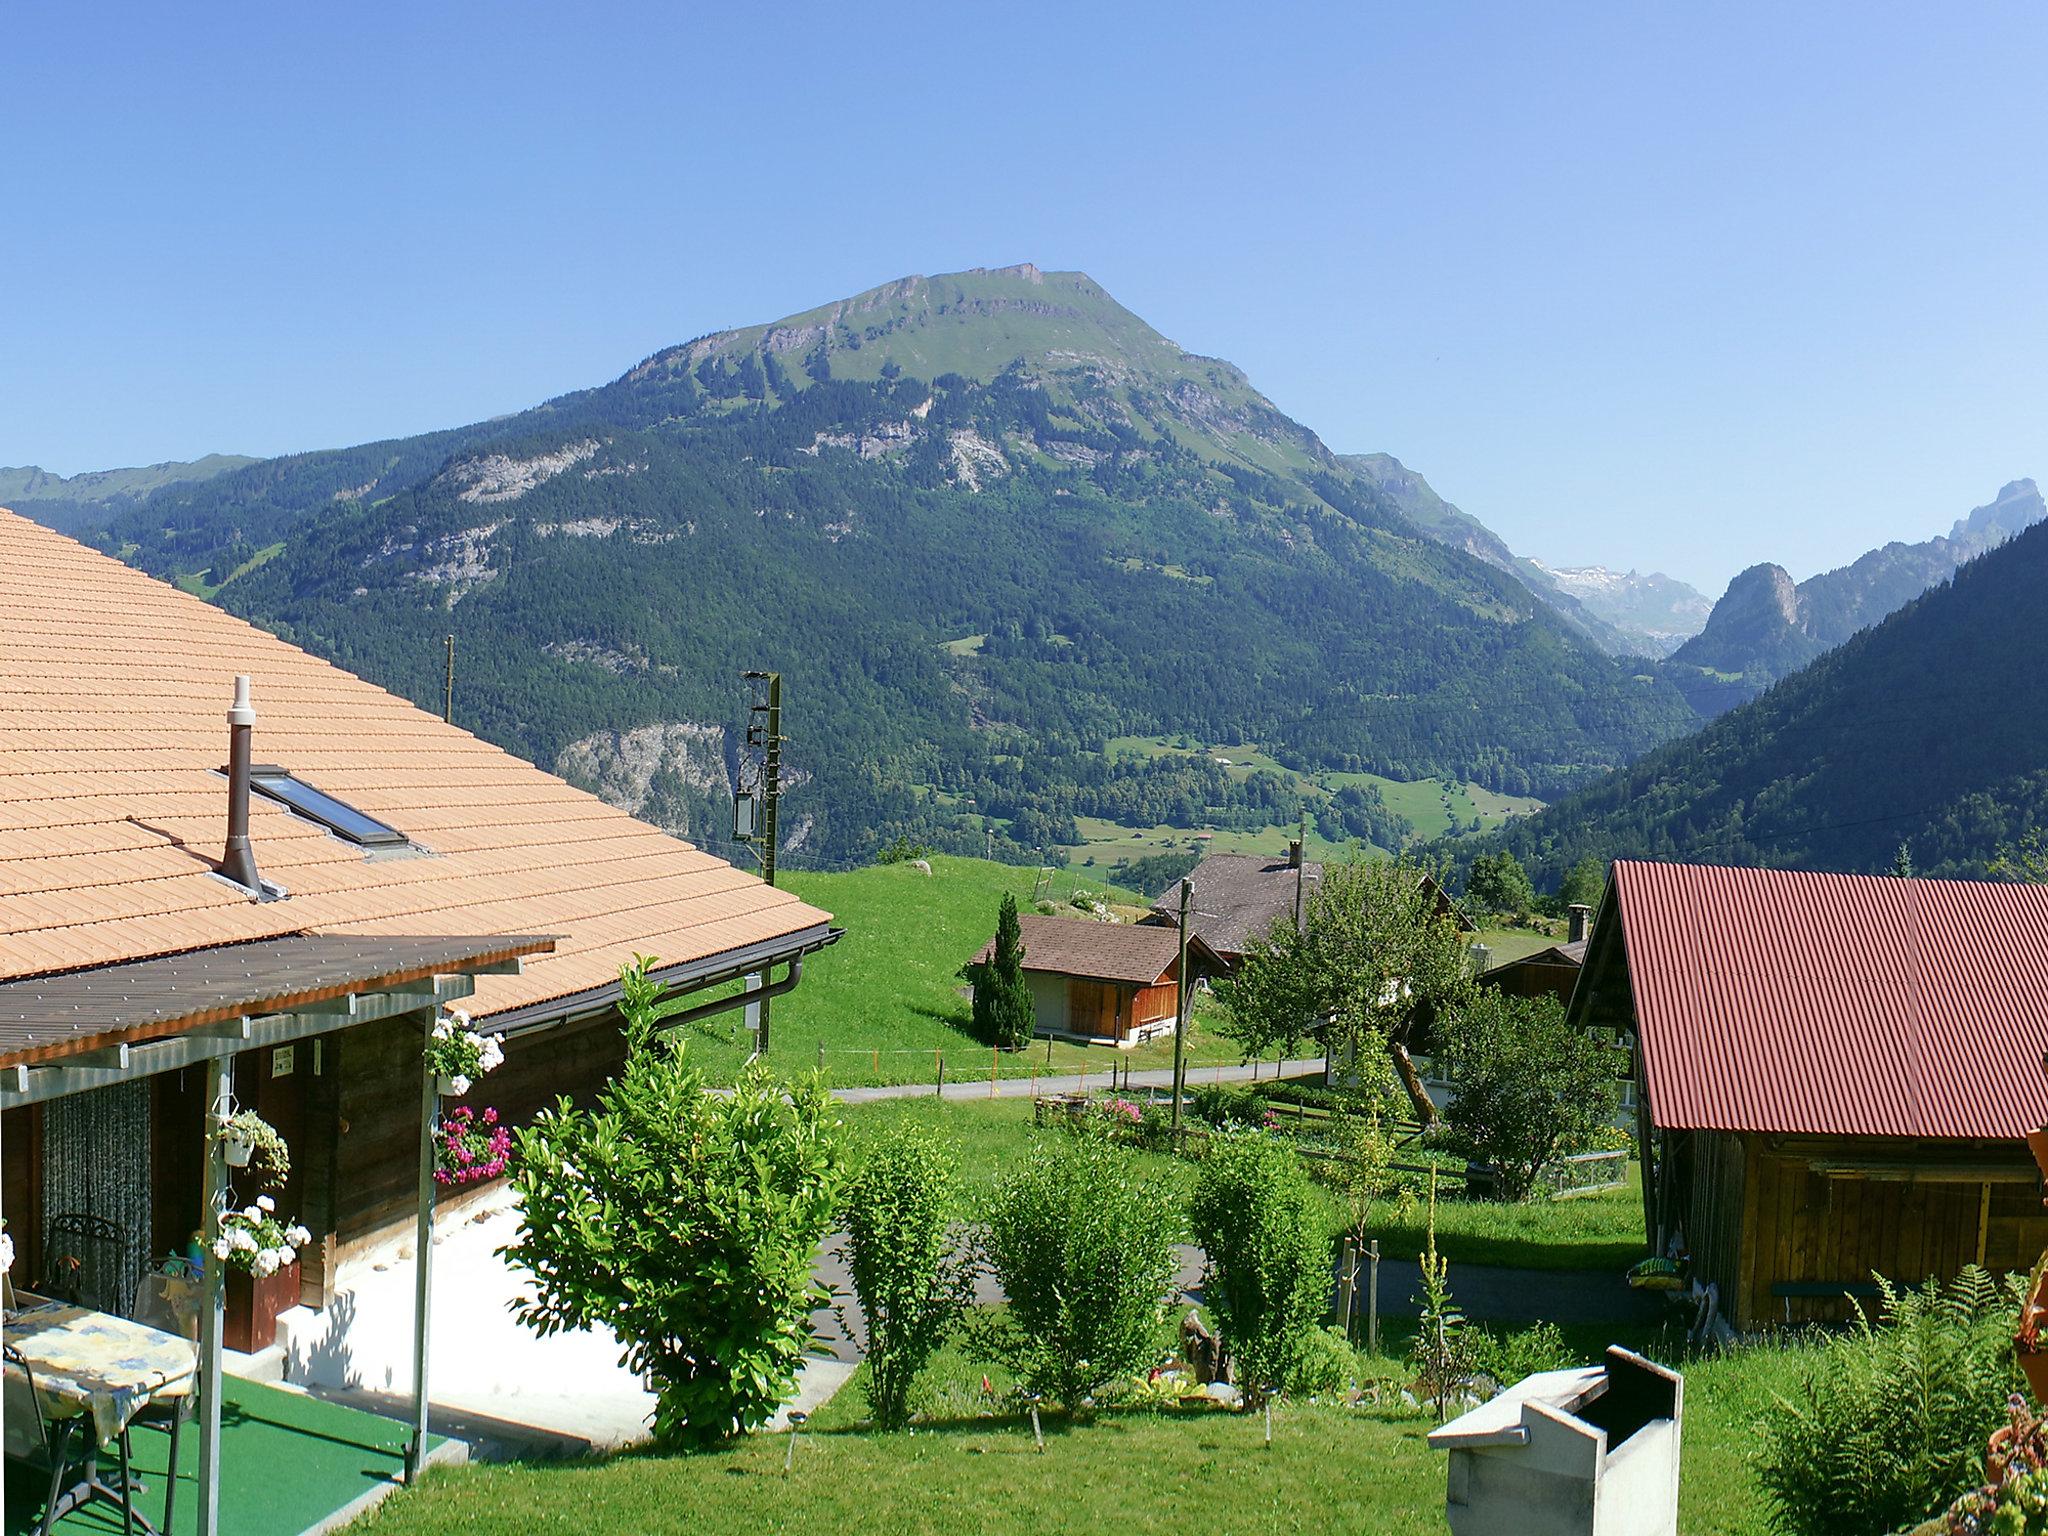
(885, 1002)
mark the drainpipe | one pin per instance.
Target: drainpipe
(239, 862)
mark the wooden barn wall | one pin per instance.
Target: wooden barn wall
(1152, 1003)
(1803, 1227)
(376, 1148)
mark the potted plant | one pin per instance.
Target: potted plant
(469, 1148)
(248, 1139)
(457, 1055)
(259, 1251)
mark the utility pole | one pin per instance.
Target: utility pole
(448, 689)
(1180, 1015)
(764, 730)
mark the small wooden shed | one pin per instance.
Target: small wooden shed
(1835, 1075)
(1104, 983)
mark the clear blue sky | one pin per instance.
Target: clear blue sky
(1673, 287)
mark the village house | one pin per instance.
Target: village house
(1237, 897)
(1552, 971)
(134, 939)
(1835, 1075)
(1103, 983)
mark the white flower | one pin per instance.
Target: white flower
(265, 1203)
(458, 1016)
(297, 1236)
(222, 1248)
(460, 1084)
(265, 1262)
(6, 1253)
(286, 1255)
(250, 1213)
(243, 1239)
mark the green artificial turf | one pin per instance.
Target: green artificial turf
(288, 1462)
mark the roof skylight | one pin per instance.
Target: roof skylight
(338, 817)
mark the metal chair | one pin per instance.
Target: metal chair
(85, 1260)
(168, 1300)
(29, 1437)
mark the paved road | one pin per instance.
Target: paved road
(1072, 1082)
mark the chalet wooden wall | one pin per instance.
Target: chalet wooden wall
(1154, 1003)
(1758, 1215)
(373, 1190)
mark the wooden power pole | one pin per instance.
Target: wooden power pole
(1180, 1015)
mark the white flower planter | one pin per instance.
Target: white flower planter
(237, 1151)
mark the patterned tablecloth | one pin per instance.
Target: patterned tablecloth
(87, 1361)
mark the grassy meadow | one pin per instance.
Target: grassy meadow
(885, 1002)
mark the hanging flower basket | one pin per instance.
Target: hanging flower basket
(246, 1138)
(457, 1055)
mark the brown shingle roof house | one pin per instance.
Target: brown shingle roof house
(380, 822)
(1237, 897)
(1117, 983)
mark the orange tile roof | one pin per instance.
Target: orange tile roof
(114, 690)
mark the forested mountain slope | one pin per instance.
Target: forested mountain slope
(74, 503)
(983, 523)
(1930, 729)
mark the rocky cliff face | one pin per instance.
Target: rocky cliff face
(1765, 627)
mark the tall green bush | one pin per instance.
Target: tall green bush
(1083, 1249)
(685, 1222)
(1004, 1014)
(1267, 1281)
(911, 1282)
(1889, 1421)
(1528, 1084)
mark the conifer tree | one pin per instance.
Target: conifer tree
(1003, 1010)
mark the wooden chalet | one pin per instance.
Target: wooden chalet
(1238, 897)
(1835, 1075)
(1552, 971)
(370, 823)
(1104, 983)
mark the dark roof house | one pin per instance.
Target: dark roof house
(1835, 1073)
(1237, 897)
(1552, 971)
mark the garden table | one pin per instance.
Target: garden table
(88, 1363)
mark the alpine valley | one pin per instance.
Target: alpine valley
(1026, 567)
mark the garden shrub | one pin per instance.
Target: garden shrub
(1267, 1283)
(911, 1282)
(1326, 1362)
(1528, 1085)
(1083, 1248)
(1507, 1355)
(1226, 1104)
(1890, 1419)
(685, 1222)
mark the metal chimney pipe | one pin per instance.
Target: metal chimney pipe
(239, 862)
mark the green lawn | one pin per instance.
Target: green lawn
(885, 1002)
(972, 1464)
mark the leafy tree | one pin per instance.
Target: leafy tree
(1363, 1177)
(1083, 1249)
(1527, 1084)
(1371, 965)
(1267, 1279)
(911, 1284)
(1584, 884)
(1004, 1014)
(2025, 861)
(1498, 883)
(686, 1222)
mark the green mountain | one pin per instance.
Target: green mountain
(1624, 613)
(1766, 627)
(985, 524)
(74, 503)
(1930, 729)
